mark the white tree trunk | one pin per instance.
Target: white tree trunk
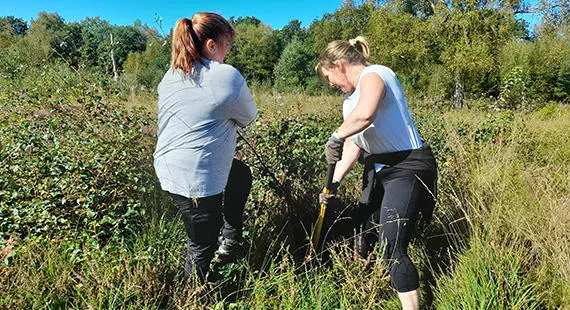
(115, 74)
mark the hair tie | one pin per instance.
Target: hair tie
(352, 42)
(193, 33)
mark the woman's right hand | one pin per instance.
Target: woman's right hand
(333, 149)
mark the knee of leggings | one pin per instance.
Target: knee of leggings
(402, 271)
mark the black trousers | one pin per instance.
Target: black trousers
(204, 217)
(389, 214)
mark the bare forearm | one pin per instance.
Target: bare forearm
(350, 155)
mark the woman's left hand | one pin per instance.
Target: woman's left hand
(331, 195)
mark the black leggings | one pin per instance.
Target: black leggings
(390, 214)
(203, 218)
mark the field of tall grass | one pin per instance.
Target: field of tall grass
(86, 226)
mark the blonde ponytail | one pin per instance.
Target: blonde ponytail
(361, 44)
(353, 51)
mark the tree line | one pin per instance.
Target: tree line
(442, 50)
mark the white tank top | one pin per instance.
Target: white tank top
(393, 129)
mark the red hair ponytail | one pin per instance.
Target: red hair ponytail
(189, 37)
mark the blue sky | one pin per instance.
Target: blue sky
(125, 12)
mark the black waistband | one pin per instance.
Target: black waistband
(418, 159)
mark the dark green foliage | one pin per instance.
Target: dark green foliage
(81, 45)
(248, 20)
(282, 203)
(296, 67)
(346, 23)
(146, 69)
(254, 51)
(13, 26)
(96, 48)
(497, 129)
(74, 161)
(453, 50)
(536, 72)
(291, 31)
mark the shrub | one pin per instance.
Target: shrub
(74, 160)
(295, 68)
(146, 69)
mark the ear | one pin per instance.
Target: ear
(210, 44)
(339, 65)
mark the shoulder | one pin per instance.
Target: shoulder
(375, 73)
(170, 78)
(373, 82)
(225, 71)
(380, 70)
(384, 73)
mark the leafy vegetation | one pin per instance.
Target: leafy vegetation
(83, 223)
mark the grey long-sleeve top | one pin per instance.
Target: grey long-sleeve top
(198, 116)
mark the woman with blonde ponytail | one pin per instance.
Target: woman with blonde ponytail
(399, 181)
(201, 104)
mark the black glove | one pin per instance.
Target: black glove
(333, 149)
(326, 198)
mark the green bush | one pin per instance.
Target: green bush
(146, 69)
(75, 161)
(288, 166)
(295, 68)
(535, 72)
(514, 90)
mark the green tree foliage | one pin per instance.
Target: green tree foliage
(147, 68)
(254, 52)
(404, 43)
(97, 45)
(296, 67)
(469, 42)
(544, 66)
(69, 44)
(290, 32)
(128, 39)
(148, 33)
(248, 20)
(446, 49)
(346, 23)
(34, 49)
(13, 26)
(555, 17)
(11, 29)
(86, 44)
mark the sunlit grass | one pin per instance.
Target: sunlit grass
(500, 238)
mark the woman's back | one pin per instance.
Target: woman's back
(197, 121)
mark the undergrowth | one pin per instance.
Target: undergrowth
(84, 225)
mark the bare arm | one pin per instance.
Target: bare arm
(350, 153)
(372, 89)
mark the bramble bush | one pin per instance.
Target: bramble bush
(287, 159)
(74, 160)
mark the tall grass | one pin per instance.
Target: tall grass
(519, 195)
(500, 238)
